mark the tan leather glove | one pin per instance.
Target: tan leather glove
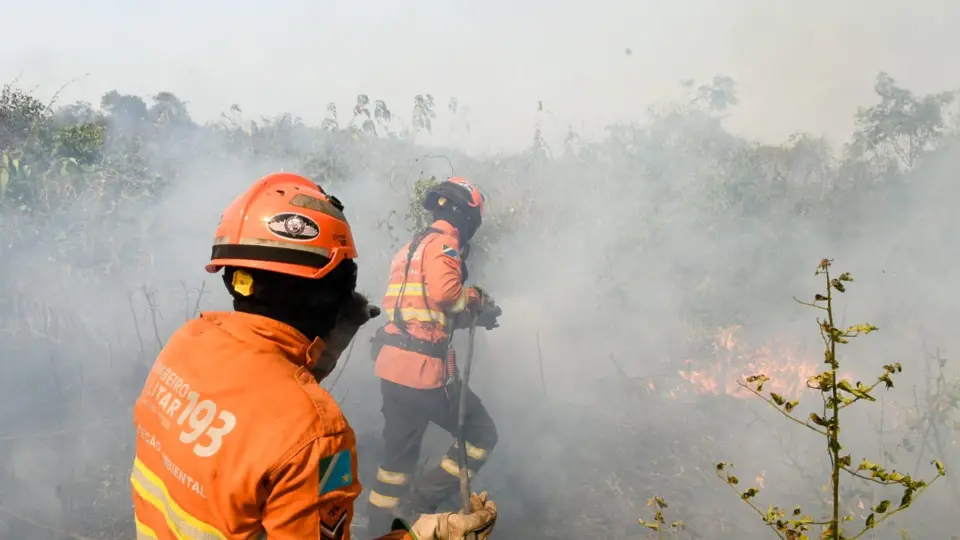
(456, 526)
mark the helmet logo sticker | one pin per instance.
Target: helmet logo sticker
(293, 226)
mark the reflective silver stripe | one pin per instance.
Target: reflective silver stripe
(383, 501)
(472, 451)
(451, 467)
(325, 207)
(151, 489)
(392, 478)
(249, 241)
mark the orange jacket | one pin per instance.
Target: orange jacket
(236, 440)
(427, 299)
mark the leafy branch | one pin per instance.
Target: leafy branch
(659, 522)
(836, 393)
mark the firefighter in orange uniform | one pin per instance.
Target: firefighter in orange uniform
(235, 437)
(426, 300)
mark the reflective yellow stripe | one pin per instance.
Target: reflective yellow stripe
(144, 532)
(383, 501)
(451, 467)
(421, 315)
(472, 451)
(395, 289)
(461, 302)
(392, 478)
(184, 526)
(414, 288)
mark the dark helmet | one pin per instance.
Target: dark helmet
(456, 195)
(458, 201)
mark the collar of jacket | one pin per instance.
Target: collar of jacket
(270, 335)
(445, 227)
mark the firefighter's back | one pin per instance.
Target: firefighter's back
(420, 307)
(221, 405)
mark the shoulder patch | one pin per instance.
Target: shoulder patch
(450, 252)
(336, 472)
(332, 522)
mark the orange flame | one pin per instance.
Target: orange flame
(788, 372)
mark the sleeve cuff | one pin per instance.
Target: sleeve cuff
(461, 304)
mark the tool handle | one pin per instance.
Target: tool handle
(465, 506)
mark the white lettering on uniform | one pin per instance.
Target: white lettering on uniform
(148, 438)
(168, 463)
(183, 477)
(202, 417)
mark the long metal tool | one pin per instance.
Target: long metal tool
(465, 506)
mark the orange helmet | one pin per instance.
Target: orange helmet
(460, 192)
(286, 224)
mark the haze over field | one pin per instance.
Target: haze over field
(800, 66)
(644, 238)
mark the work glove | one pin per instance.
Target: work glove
(353, 315)
(488, 318)
(486, 309)
(479, 300)
(456, 526)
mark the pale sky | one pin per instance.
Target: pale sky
(801, 65)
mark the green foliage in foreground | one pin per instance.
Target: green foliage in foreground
(837, 394)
